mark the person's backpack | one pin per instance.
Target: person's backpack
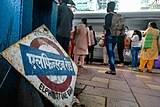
(117, 25)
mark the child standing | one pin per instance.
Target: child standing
(135, 48)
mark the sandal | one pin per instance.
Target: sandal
(120, 65)
(139, 70)
(80, 66)
(148, 71)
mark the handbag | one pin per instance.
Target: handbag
(127, 42)
(157, 63)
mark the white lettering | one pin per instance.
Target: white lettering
(43, 62)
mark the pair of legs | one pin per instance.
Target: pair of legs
(76, 58)
(89, 57)
(149, 63)
(134, 52)
(120, 49)
(64, 42)
(105, 57)
(110, 45)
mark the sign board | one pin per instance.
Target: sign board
(44, 63)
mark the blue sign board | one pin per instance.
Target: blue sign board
(39, 62)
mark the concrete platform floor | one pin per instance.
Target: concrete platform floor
(127, 88)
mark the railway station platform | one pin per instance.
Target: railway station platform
(127, 88)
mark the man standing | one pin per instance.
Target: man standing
(64, 24)
(110, 40)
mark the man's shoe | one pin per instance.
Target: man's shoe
(111, 72)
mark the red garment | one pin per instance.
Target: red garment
(71, 44)
(103, 37)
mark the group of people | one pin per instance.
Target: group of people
(148, 47)
(83, 40)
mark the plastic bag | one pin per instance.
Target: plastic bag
(101, 42)
(127, 52)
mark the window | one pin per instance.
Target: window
(121, 5)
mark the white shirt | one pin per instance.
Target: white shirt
(92, 37)
(135, 41)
